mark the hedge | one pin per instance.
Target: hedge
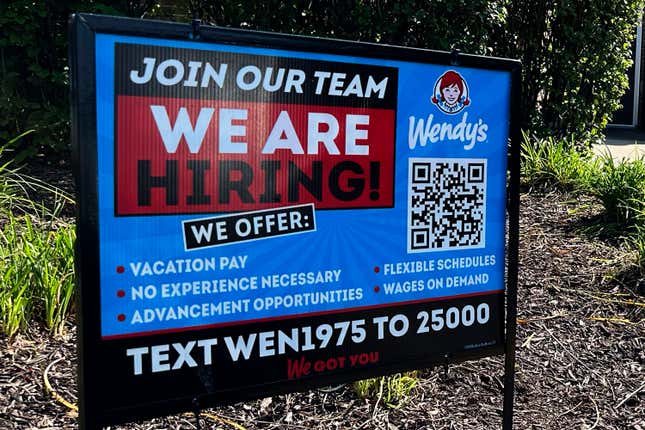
(575, 52)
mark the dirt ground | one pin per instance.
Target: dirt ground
(580, 354)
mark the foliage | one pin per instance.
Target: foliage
(392, 390)
(34, 71)
(36, 273)
(10, 183)
(574, 54)
(637, 242)
(551, 163)
(36, 254)
(620, 187)
(462, 24)
(573, 73)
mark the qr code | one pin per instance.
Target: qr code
(446, 204)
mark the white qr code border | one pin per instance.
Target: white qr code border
(410, 227)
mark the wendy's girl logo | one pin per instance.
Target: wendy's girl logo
(451, 93)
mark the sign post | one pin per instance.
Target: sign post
(262, 213)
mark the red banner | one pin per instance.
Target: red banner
(198, 156)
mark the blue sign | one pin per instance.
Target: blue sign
(240, 184)
(260, 214)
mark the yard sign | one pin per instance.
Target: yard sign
(262, 213)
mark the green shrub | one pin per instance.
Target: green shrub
(574, 54)
(36, 255)
(620, 187)
(416, 23)
(393, 390)
(34, 73)
(551, 163)
(637, 242)
(12, 192)
(36, 273)
(574, 74)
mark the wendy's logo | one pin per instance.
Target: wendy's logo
(451, 93)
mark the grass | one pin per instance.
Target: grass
(36, 274)
(36, 255)
(637, 241)
(619, 185)
(393, 390)
(550, 163)
(12, 186)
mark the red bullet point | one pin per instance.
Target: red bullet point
(120, 293)
(376, 269)
(121, 317)
(377, 289)
(120, 269)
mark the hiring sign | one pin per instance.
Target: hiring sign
(262, 213)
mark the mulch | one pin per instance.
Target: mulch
(580, 353)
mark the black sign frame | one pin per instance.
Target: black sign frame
(92, 350)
